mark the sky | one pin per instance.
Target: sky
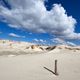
(47, 22)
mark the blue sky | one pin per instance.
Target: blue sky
(44, 22)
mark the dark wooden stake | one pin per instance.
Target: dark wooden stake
(55, 68)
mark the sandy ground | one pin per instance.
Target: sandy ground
(31, 66)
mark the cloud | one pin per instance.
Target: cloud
(39, 41)
(36, 40)
(58, 41)
(43, 41)
(71, 44)
(32, 15)
(15, 35)
(30, 33)
(1, 32)
(62, 42)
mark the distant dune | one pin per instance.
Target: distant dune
(14, 47)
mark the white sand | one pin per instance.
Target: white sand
(16, 66)
(30, 66)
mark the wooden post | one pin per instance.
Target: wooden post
(55, 68)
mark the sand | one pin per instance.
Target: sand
(31, 66)
(19, 63)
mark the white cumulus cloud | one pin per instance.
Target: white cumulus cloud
(39, 40)
(32, 15)
(16, 35)
(36, 40)
(62, 42)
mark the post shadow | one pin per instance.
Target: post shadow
(55, 69)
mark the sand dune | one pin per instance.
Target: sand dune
(31, 66)
(7, 45)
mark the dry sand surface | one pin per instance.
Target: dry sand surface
(31, 66)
